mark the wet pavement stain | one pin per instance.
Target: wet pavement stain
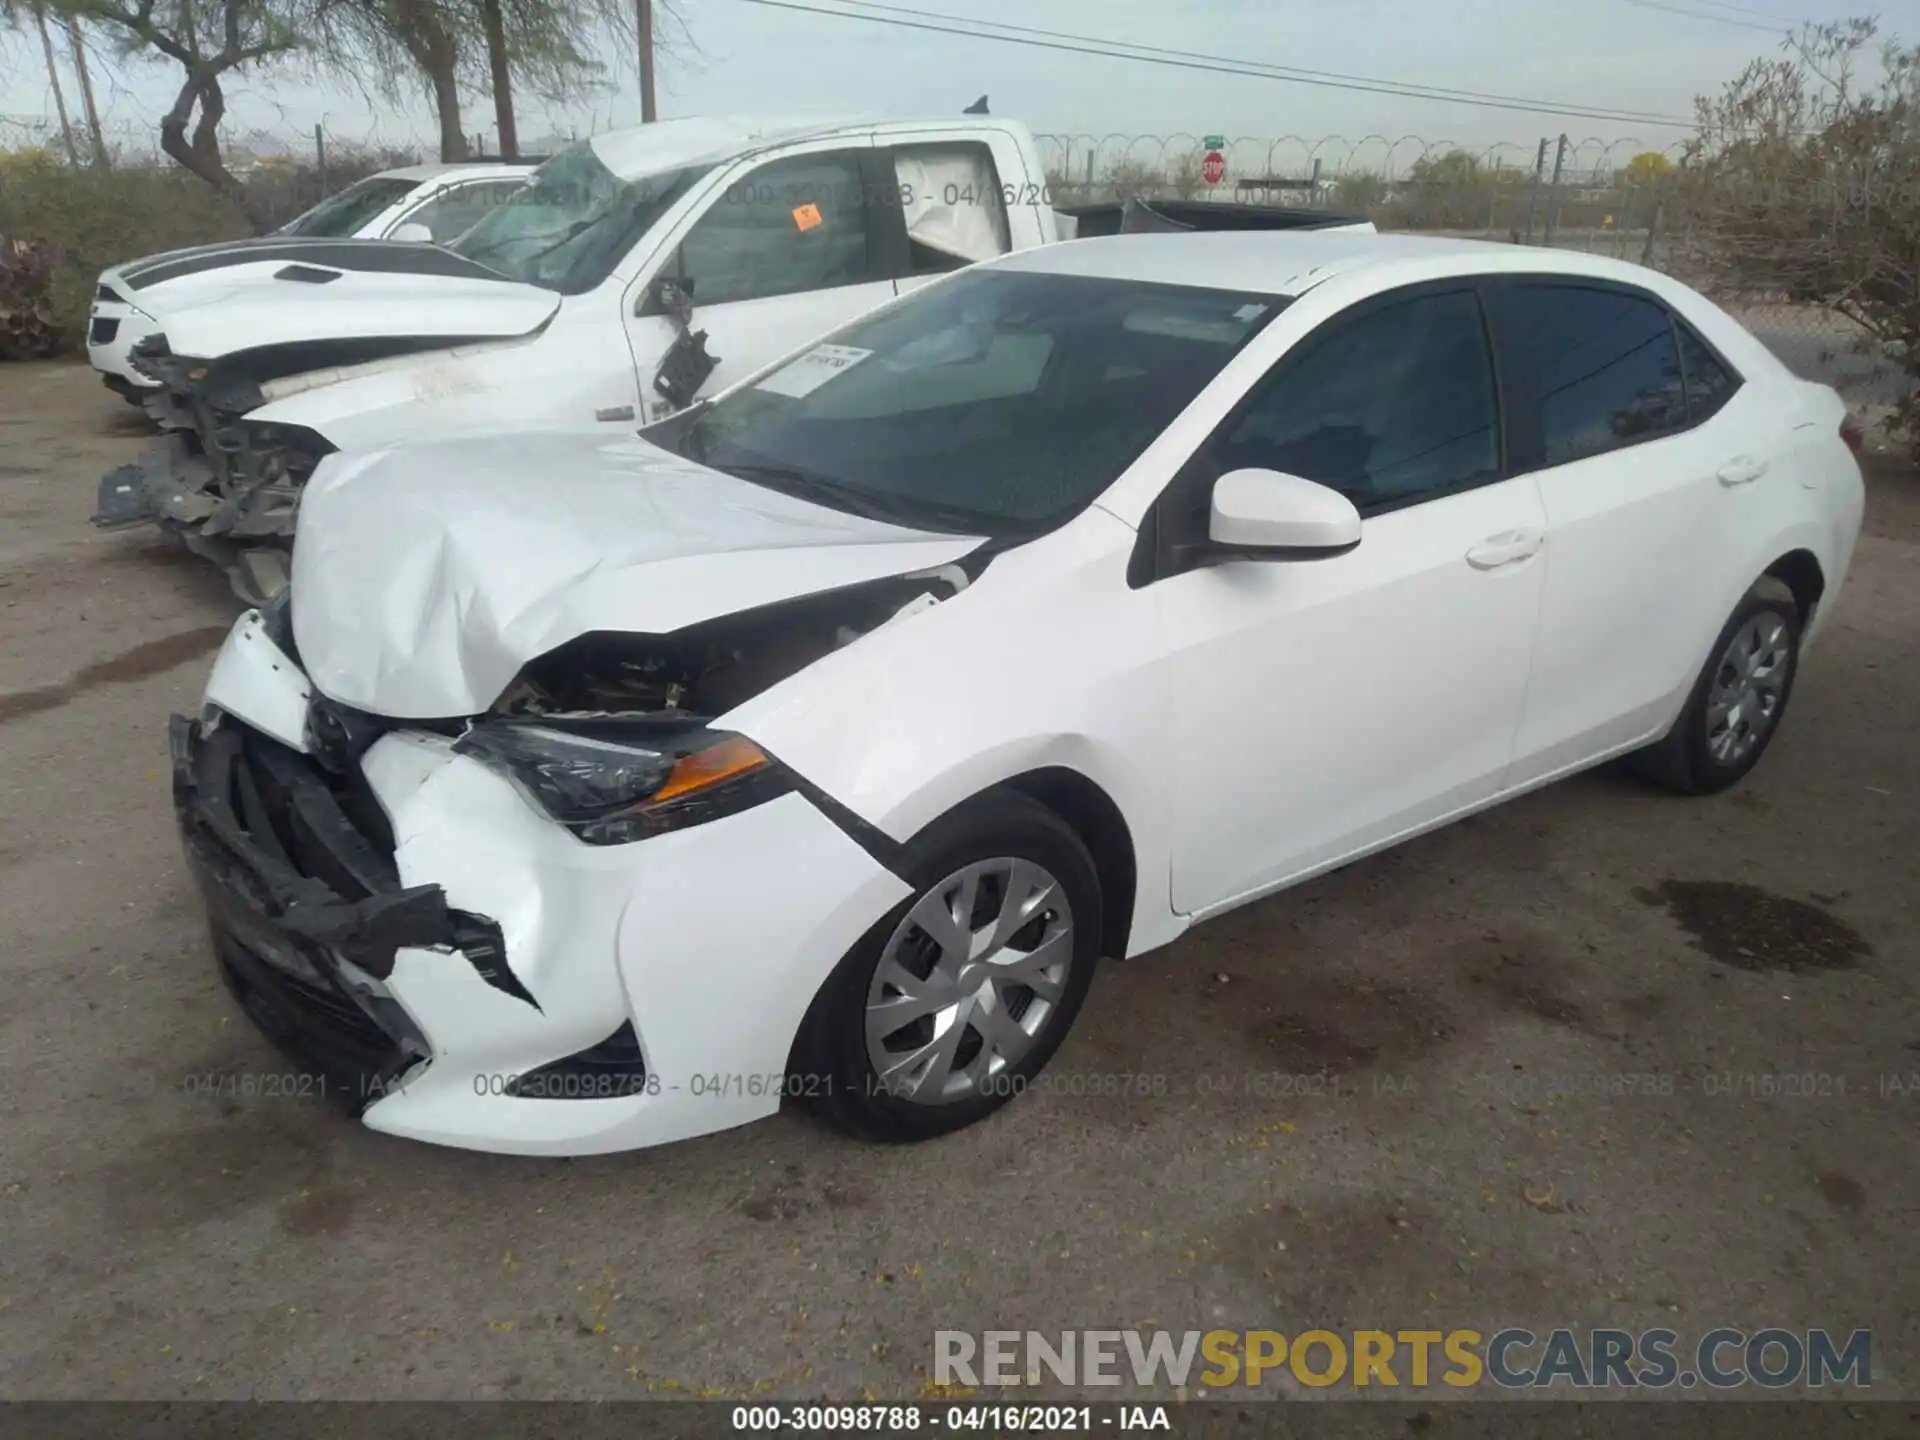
(1753, 929)
(155, 657)
(1841, 1191)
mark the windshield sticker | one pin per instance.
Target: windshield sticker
(800, 377)
(806, 216)
(1249, 312)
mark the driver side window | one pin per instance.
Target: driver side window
(791, 226)
(1388, 407)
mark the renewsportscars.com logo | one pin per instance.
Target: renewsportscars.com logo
(1512, 1358)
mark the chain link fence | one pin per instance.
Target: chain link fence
(1618, 198)
(1615, 197)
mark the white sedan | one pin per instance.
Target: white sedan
(818, 742)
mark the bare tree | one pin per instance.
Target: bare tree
(493, 24)
(209, 41)
(76, 42)
(53, 78)
(1803, 184)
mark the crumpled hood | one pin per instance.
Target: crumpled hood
(425, 577)
(342, 289)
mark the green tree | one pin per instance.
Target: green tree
(1804, 183)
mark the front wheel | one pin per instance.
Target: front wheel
(953, 1002)
(1738, 700)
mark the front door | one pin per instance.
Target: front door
(1325, 706)
(786, 251)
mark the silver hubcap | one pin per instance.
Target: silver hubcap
(968, 980)
(1748, 684)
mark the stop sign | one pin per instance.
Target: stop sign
(1213, 167)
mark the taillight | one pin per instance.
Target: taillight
(1851, 432)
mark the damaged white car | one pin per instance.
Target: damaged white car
(417, 203)
(636, 272)
(589, 793)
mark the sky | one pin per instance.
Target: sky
(1648, 57)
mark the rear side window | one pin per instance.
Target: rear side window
(1600, 366)
(1387, 407)
(1710, 384)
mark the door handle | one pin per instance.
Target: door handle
(1742, 470)
(1509, 547)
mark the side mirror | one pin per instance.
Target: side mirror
(414, 233)
(1263, 512)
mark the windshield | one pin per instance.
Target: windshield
(345, 213)
(999, 402)
(567, 229)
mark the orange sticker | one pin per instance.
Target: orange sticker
(806, 216)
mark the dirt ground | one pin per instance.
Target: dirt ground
(160, 1241)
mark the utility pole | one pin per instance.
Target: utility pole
(643, 15)
(1553, 190)
(53, 78)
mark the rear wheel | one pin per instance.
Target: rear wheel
(1737, 703)
(948, 1006)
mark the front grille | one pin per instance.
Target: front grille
(300, 813)
(103, 329)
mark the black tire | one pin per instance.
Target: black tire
(831, 1064)
(1682, 761)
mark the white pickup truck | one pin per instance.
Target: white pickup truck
(639, 270)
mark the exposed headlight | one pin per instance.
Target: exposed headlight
(611, 782)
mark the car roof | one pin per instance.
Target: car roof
(1278, 262)
(420, 174)
(705, 139)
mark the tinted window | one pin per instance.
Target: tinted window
(1709, 383)
(343, 214)
(452, 213)
(995, 402)
(788, 227)
(1603, 365)
(1396, 403)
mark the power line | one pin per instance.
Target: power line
(1744, 11)
(1780, 29)
(1435, 92)
(1089, 45)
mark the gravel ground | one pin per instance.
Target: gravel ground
(165, 1243)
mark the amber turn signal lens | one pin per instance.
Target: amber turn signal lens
(732, 757)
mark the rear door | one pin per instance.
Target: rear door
(1636, 485)
(786, 250)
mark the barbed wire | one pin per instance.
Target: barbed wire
(1086, 157)
(1078, 157)
(1601, 195)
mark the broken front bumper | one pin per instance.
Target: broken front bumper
(418, 932)
(306, 914)
(228, 489)
(173, 487)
